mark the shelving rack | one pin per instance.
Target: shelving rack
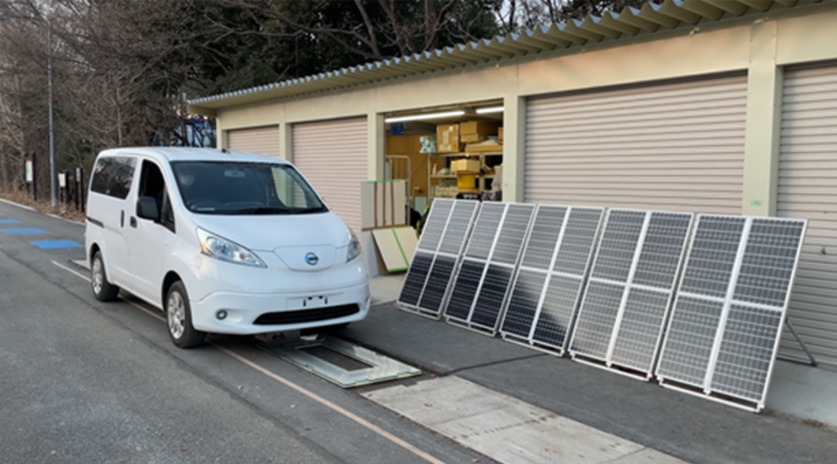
(482, 178)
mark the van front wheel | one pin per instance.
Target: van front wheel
(102, 289)
(179, 318)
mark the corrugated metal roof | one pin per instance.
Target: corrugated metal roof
(630, 22)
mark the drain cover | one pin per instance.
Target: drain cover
(341, 362)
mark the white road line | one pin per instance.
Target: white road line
(319, 399)
(348, 414)
(71, 271)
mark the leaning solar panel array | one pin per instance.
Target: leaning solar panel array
(600, 287)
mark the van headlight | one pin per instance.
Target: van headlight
(354, 246)
(225, 250)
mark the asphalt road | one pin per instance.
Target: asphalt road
(84, 381)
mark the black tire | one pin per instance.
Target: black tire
(179, 318)
(102, 289)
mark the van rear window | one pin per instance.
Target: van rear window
(113, 175)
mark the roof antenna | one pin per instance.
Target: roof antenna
(224, 150)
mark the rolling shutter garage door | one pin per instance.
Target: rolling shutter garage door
(333, 157)
(672, 147)
(261, 140)
(808, 189)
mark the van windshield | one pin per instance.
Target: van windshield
(244, 188)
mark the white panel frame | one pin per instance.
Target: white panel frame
(437, 252)
(607, 362)
(550, 272)
(467, 322)
(706, 391)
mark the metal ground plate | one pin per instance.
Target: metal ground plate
(341, 362)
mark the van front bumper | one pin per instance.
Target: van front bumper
(255, 313)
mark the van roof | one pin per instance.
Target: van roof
(192, 154)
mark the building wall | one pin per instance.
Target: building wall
(759, 48)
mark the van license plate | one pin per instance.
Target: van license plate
(314, 302)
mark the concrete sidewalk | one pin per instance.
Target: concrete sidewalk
(689, 428)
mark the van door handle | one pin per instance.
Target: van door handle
(133, 222)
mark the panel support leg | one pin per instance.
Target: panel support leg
(811, 360)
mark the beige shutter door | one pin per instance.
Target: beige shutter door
(333, 157)
(671, 147)
(261, 140)
(808, 189)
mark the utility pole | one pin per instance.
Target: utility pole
(52, 189)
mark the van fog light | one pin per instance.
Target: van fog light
(221, 314)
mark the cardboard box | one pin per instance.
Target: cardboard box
(482, 147)
(476, 131)
(500, 134)
(465, 165)
(447, 138)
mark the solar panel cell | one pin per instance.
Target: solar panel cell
(688, 344)
(593, 331)
(547, 288)
(416, 276)
(558, 311)
(639, 255)
(746, 352)
(742, 269)
(523, 303)
(438, 252)
(491, 296)
(464, 290)
(437, 283)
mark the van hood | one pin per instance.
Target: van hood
(290, 237)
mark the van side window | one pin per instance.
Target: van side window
(113, 175)
(153, 185)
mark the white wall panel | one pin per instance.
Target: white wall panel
(333, 157)
(261, 140)
(808, 189)
(672, 147)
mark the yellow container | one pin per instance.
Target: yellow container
(466, 181)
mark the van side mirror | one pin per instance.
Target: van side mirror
(147, 208)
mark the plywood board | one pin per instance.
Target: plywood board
(383, 204)
(390, 250)
(407, 239)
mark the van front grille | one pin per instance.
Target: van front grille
(307, 315)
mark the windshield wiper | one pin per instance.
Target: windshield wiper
(262, 210)
(316, 209)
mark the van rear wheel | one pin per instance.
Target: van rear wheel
(179, 318)
(102, 289)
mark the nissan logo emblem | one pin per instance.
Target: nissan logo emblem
(312, 258)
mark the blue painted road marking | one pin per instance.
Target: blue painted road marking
(50, 244)
(23, 230)
(9, 221)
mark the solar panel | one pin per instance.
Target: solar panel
(437, 255)
(484, 278)
(548, 284)
(623, 312)
(727, 318)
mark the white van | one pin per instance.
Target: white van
(222, 242)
